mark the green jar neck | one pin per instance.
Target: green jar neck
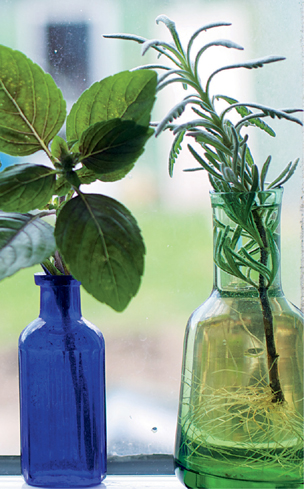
(246, 244)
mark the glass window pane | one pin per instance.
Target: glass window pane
(144, 343)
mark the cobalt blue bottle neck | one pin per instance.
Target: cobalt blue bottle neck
(59, 296)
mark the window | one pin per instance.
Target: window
(68, 56)
(144, 344)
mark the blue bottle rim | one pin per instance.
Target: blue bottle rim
(42, 278)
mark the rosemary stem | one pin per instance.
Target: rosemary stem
(272, 355)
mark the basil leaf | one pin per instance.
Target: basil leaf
(114, 145)
(25, 240)
(32, 109)
(126, 95)
(25, 187)
(88, 176)
(102, 245)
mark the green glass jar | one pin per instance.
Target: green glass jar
(240, 421)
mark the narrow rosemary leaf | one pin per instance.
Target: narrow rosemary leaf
(256, 63)
(264, 172)
(275, 255)
(198, 112)
(150, 67)
(281, 176)
(289, 174)
(221, 42)
(251, 194)
(242, 166)
(193, 169)
(204, 164)
(126, 37)
(152, 43)
(204, 137)
(202, 29)
(218, 185)
(171, 26)
(236, 235)
(249, 158)
(169, 73)
(207, 123)
(235, 152)
(229, 255)
(175, 149)
(248, 246)
(257, 122)
(212, 160)
(255, 265)
(174, 113)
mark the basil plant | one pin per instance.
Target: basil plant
(95, 238)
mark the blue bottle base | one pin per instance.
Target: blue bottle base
(56, 479)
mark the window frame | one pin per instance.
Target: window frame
(146, 464)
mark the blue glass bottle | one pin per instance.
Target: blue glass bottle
(62, 391)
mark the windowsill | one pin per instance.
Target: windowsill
(111, 482)
(133, 472)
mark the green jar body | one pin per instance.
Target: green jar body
(231, 433)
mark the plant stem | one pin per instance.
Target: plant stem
(272, 355)
(85, 417)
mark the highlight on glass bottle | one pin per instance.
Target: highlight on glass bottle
(62, 391)
(241, 402)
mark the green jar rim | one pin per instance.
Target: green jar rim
(275, 193)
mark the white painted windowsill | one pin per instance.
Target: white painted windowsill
(111, 482)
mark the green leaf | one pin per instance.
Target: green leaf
(256, 63)
(102, 245)
(255, 179)
(236, 235)
(257, 122)
(275, 255)
(281, 176)
(206, 138)
(254, 264)
(235, 261)
(285, 175)
(126, 95)
(264, 172)
(140, 40)
(126, 37)
(184, 80)
(175, 150)
(250, 197)
(243, 111)
(25, 240)
(25, 187)
(242, 166)
(206, 122)
(88, 176)
(249, 157)
(267, 112)
(205, 165)
(32, 109)
(175, 112)
(113, 146)
(235, 151)
(59, 148)
(171, 26)
(164, 48)
(202, 29)
(62, 186)
(222, 43)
